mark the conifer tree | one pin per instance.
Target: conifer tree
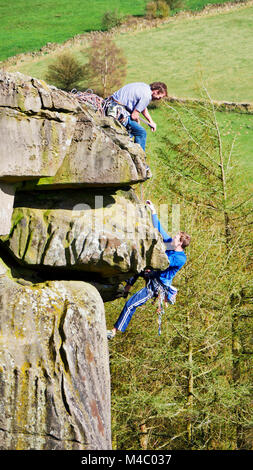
(190, 388)
(204, 174)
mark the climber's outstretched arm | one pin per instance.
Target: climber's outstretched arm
(157, 224)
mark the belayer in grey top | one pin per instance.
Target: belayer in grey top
(134, 96)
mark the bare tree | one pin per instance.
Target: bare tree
(106, 68)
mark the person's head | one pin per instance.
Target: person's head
(180, 241)
(158, 90)
(185, 239)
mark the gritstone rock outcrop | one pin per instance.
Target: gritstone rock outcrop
(71, 230)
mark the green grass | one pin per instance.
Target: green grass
(27, 25)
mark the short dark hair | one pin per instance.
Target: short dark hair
(184, 239)
(160, 86)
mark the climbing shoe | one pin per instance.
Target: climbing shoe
(110, 334)
(148, 172)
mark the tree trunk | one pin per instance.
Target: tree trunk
(144, 436)
(190, 382)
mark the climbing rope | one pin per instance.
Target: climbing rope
(90, 98)
(141, 193)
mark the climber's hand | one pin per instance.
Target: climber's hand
(151, 206)
(153, 126)
(135, 116)
(126, 290)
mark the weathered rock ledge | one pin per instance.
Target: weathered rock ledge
(108, 234)
(47, 135)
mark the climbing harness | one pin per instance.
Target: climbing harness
(164, 295)
(116, 110)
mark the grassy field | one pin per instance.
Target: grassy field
(27, 25)
(216, 49)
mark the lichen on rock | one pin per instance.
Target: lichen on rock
(55, 382)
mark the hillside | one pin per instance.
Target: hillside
(182, 53)
(204, 48)
(26, 26)
(216, 49)
(190, 387)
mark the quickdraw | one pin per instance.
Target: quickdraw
(160, 298)
(160, 310)
(164, 298)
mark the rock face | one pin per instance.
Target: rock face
(71, 230)
(55, 385)
(107, 236)
(7, 192)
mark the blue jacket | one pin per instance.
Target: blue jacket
(176, 258)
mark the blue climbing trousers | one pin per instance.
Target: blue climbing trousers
(118, 111)
(152, 289)
(138, 299)
(138, 132)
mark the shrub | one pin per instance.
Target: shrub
(157, 9)
(66, 72)
(111, 19)
(163, 9)
(151, 8)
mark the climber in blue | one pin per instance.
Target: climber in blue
(158, 282)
